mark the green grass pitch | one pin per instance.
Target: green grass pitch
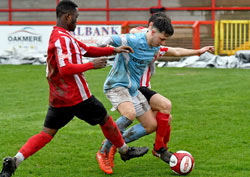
(211, 120)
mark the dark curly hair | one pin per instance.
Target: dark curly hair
(65, 6)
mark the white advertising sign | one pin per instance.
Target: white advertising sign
(19, 42)
(90, 34)
(25, 37)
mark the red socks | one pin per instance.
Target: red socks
(112, 133)
(167, 136)
(162, 130)
(35, 143)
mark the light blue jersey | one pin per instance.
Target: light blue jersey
(128, 68)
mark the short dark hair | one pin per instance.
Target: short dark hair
(65, 6)
(163, 24)
(156, 15)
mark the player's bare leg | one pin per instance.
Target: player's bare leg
(127, 109)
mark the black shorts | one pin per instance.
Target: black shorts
(91, 110)
(147, 92)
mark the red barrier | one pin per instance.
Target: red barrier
(212, 8)
(196, 35)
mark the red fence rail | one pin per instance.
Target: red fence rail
(212, 8)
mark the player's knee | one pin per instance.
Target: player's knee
(130, 114)
(166, 107)
(101, 121)
(46, 132)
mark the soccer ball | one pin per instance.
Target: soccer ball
(181, 162)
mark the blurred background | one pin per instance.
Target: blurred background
(197, 23)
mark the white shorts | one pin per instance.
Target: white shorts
(120, 95)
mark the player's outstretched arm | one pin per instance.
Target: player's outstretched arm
(104, 41)
(116, 42)
(121, 49)
(179, 52)
(106, 51)
(207, 49)
(71, 69)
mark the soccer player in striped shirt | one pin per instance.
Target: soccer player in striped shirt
(69, 92)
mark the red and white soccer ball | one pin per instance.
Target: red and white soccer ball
(181, 162)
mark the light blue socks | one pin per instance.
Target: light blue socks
(122, 123)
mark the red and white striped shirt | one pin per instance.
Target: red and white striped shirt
(150, 70)
(65, 75)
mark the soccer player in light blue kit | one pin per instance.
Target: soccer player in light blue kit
(128, 69)
(123, 81)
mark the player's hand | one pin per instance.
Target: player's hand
(99, 62)
(125, 49)
(206, 49)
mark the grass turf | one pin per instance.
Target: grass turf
(211, 120)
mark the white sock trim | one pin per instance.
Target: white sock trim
(123, 149)
(19, 158)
